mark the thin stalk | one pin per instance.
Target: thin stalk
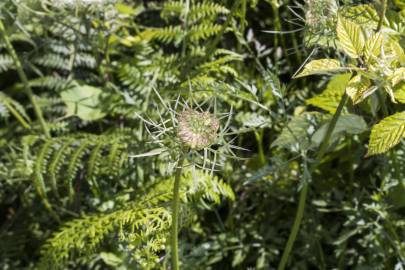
(24, 79)
(184, 45)
(278, 27)
(304, 189)
(15, 113)
(382, 14)
(175, 212)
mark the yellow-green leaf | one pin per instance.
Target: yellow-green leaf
(399, 92)
(320, 66)
(350, 37)
(359, 88)
(398, 76)
(399, 52)
(387, 134)
(329, 99)
(373, 46)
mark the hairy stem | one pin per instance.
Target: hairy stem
(175, 213)
(24, 79)
(304, 189)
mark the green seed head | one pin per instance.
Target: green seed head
(197, 129)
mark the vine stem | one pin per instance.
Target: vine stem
(24, 79)
(304, 190)
(175, 212)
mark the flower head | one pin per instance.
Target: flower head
(197, 129)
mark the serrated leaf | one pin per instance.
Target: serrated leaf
(398, 76)
(347, 123)
(351, 37)
(373, 46)
(399, 52)
(329, 99)
(399, 92)
(298, 131)
(386, 134)
(320, 66)
(359, 88)
(362, 14)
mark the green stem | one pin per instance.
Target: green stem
(382, 14)
(24, 79)
(17, 116)
(259, 139)
(175, 213)
(184, 45)
(304, 189)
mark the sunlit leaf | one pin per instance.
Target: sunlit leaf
(387, 133)
(329, 99)
(321, 66)
(84, 102)
(351, 37)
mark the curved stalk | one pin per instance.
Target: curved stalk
(175, 213)
(304, 190)
(24, 79)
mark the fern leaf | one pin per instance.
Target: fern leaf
(56, 162)
(38, 181)
(203, 31)
(74, 164)
(6, 63)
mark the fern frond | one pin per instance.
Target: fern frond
(85, 234)
(74, 165)
(50, 82)
(68, 152)
(52, 60)
(6, 63)
(206, 9)
(167, 35)
(203, 31)
(144, 224)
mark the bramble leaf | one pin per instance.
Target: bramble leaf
(398, 76)
(373, 46)
(387, 134)
(399, 92)
(351, 37)
(329, 99)
(359, 88)
(320, 66)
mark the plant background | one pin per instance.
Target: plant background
(72, 197)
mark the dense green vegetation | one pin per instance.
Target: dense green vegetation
(202, 134)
